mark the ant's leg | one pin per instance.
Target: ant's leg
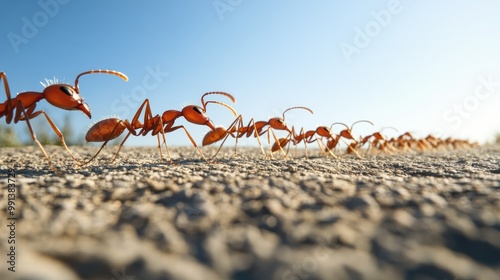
(310, 141)
(349, 148)
(276, 140)
(91, 159)
(157, 126)
(120, 147)
(54, 128)
(21, 110)
(165, 142)
(240, 125)
(320, 146)
(3, 77)
(8, 106)
(332, 153)
(287, 141)
(293, 138)
(190, 139)
(260, 143)
(288, 147)
(159, 146)
(301, 132)
(237, 121)
(270, 153)
(256, 134)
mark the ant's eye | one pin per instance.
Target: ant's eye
(66, 90)
(198, 110)
(281, 120)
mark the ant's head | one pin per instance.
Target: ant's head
(279, 124)
(66, 97)
(196, 114)
(324, 131)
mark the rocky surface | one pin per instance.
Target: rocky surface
(432, 215)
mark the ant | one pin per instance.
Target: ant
(323, 132)
(111, 128)
(346, 133)
(64, 96)
(255, 128)
(403, 142)
(378, 141)
(306, 137)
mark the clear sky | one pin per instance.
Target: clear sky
(420, 66)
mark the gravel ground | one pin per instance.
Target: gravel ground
(434, 215)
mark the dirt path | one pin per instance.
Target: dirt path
(412, 216)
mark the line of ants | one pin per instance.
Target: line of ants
(67, 97)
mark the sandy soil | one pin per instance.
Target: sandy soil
(412, 216)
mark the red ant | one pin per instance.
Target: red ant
(346, 133)
(323, 132)
(64, 96)
(378, 141)
(255, 128)
(403, 142)
(111, 128)
(306, 137)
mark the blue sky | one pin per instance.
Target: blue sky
(420, 66)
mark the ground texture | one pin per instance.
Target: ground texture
(411, 216)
